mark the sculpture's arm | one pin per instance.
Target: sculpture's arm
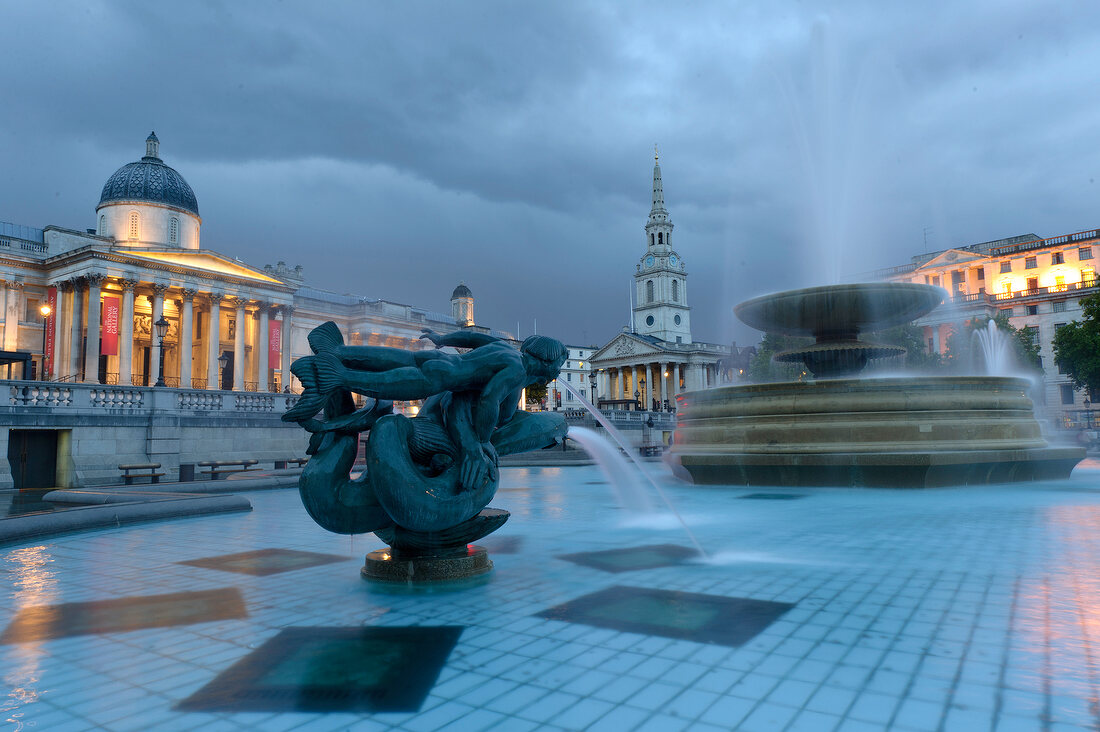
(499, 388)
(459, 338)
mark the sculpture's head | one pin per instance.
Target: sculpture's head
(543, 358)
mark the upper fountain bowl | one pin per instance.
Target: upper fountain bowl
(840, 311)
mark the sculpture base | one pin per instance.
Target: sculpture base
(383, 566)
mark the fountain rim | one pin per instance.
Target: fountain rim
(906, 301)
(867, 384)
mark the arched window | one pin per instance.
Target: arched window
(676, 291)
(135, 220)
(102, 225)
(173, 230)
(649, 291)
(660, 238)
(651, 240)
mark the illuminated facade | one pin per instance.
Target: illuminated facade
(1037, 282)
(231, 326)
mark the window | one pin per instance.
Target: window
(649, 291)
(956, 278)
(660, 238)
(173, 230)
(135, 220)
(1032, 333)
(1033, 283)
(1059, 326)
(569, 376)
(651, 240)
(676, 320)
(981, 273)
(1084, 253)
(1088, 276)
(1032, 309)
(649, 320)
(1057, 258)
(568, 364)
(1006, 267)
(1058, 306)
(1031, 262)
(1060, 283)
(1007, 312)
(676, 291)
(1006, 287)
(936, 280)
(930, 345)
(1067, 393)
(31, 313)
(102, 225)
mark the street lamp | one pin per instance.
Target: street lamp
(592, 388)
(223, 361)
(636, 402)
(162, 330)
(641, 383)
(45, 310)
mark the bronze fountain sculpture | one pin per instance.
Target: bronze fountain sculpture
(429, 478)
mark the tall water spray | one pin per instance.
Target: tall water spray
(996, 349)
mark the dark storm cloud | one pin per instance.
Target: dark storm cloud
(396, 148)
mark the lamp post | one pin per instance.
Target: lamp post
(45, 310)
(223, 361)
(636, 402)
(592, 388)
(641, 383)
(162, 330)
(1088, 413)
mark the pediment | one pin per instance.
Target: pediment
(626, 345)
(203, 260)
(951, 258)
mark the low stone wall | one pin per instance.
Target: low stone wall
(100, 427)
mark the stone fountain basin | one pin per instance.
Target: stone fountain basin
(891, 432)
(840, 310)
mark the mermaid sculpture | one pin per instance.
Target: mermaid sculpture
(429, 477)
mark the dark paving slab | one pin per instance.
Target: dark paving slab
(633, 558)
(47, 622)
(263, 562)
(773, 496)
(332, 670)
(726, 621)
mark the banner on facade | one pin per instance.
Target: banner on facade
(108, 339)
(48, 346)
(274, 344)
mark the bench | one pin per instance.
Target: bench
(149, 471)
(219, 468)
(651, 450)
(287, 462)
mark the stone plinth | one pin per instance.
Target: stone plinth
(385, 566)
(899, 432)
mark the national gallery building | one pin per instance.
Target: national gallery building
(84, 306)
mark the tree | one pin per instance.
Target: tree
(536, 394)
(1077, 347)
(962, 354)
(911, 338)
(763, 368)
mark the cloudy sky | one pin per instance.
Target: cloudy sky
(396, 148)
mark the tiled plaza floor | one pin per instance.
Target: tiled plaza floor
(951, 609)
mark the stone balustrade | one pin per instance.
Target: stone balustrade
(97, 398)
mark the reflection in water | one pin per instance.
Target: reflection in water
(1057, 618)
(34, 583)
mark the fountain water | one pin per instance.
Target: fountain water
(996, 349)
(625, 445)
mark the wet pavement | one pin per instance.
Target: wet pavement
(847, 609)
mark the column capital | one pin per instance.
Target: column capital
(216, 298)
(64, 285)
(285, 310)
(78, 283)
(94, 279)
(188, 294)
(128, 285)
(159, 288)
(238, 302)
(14, 284)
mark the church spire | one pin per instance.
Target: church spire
(657, 214)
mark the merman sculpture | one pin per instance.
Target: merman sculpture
(429, 478)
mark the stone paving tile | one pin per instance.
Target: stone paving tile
(968, 608)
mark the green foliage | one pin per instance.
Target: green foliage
(964, 354)
(536, 394)
(1077, 347)
(763, 368)
(911, 338)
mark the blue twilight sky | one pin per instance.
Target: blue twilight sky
(394, 149)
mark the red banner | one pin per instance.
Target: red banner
(274, 344)
(108, 339)
(48, 346)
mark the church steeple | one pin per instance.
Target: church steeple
(658, 214)
(660, 278)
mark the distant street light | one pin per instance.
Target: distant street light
(592, 388)
(45, 310)
(641, 383)
(223, 361)
(637, 404)
(162, 330)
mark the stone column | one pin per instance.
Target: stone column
(261, 370)
(213, 350)
(126, 337)
(662, 394)
(91, 354)
(76, 334)
(13, 313)
(285, 338)
(159, 289)
(59, 310)
(187, 331)
(650, 387)
(238, 344)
